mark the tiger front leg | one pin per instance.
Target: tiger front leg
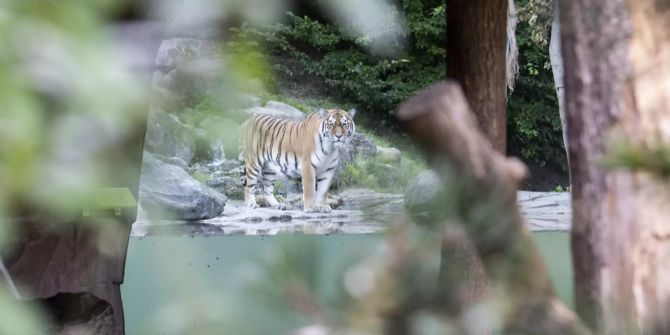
(268, 192)
(322, 186)
(252, 174)
(308, 186)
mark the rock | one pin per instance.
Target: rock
(229, 186)
(202, 79)
(209, 149)
(167, 136)
(358, 145)
(175, 51)
(166, 80)
(294, 200)
(201, 169)
(275, 112)
(173, 161)
(387, 175)
(224, 165)
(361, 144)
(387, 155)
(381, 206)
(421, 191)
(167, 191)
(286, 108)
(248, 101)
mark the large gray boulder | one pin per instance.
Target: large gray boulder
(421, 192)
(291, 111)
(285, 113)
(358, 145)
(167, 191)
(167, 136)
(388, 155)
(176, 51)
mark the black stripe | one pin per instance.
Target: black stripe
(314, 166)
(251, 185)
(281, 141)
(286, 161)
(320, 180)
(295, 160)
(268, 173)
(331, 168)
(272, 129)
(260, 164)
(321, 143)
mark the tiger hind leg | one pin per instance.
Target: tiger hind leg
(269, 179)
(252, 174)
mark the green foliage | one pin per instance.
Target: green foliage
(534, 124)
(367, 173)
(307, 48)
(651, 157)
(201, 177)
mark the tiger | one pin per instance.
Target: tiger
(276, 148)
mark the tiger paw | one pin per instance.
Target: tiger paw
(324, 209)
(319, 209)
(281, 207)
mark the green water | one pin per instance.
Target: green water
(174, 283)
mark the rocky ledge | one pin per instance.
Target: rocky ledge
(361, 212)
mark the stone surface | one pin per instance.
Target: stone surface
(286, 108)
(275, 112)
(167, 191)
(546, 211)
(248, 101)
(175, 51)
(361, 211)
(229, 186)
(168, 137)
(387, 155)
(358, 144)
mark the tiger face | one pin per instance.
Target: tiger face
(337, 125)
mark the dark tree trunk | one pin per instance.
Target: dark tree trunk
(617, 81)
(476, 42)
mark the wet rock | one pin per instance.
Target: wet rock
(294, 201)
(387, 155)
(421, 192)
(167, 191)
(167, 136)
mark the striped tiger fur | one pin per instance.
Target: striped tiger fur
(276, 148)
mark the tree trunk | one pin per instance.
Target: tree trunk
(618, 86)
(556, 60)
(476, 48)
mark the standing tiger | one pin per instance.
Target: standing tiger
(276, 148)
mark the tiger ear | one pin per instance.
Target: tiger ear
(322, 113)
(351, 113)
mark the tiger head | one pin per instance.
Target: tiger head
(337, 125)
